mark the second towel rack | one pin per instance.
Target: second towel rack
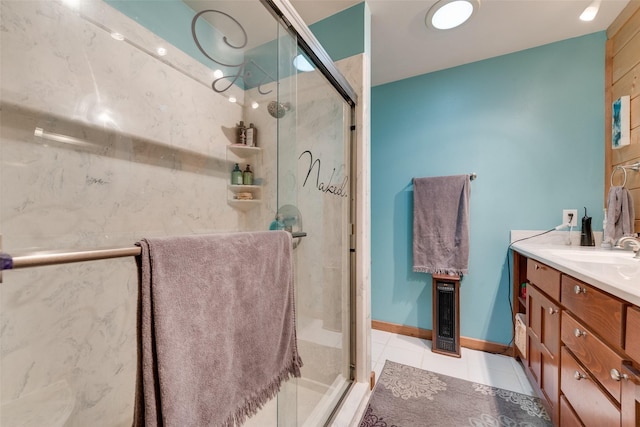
(623, 168)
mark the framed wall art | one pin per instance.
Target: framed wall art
(620, 123)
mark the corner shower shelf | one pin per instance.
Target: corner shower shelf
(244, 205)
(236, 188)
(243, 152)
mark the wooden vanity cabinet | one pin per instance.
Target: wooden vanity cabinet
(583, 348)
(543, 334)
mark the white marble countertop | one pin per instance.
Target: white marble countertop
(612, 270)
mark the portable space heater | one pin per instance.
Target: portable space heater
(446, 315)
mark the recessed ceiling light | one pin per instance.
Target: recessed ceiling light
(591, 11)
(447, 14)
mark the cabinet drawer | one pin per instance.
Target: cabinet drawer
(601, 312)
(632, 340)
(544, 277)
(568, 418)
(590, 403)
(594, 354)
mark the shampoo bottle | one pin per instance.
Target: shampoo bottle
(241, 130)
(252, 136)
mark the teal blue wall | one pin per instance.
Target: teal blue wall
(342, 35)
(530, 124)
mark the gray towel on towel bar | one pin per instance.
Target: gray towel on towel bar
(620, 214)
(441, 225)
(216, 327)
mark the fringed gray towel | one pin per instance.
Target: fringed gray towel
(620, 214)
(216, 327)
(441, 225)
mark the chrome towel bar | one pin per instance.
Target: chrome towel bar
(37, 259)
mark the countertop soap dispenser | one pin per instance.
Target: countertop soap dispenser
(586, 237)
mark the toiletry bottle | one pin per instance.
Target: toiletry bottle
(605, 243)
(236, 175)
(252, 136)
(241, 133)
(247, 176)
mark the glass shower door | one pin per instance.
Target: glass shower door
(313, 196)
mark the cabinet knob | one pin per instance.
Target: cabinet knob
(536, 267)
(553, 310)
(617, 376)
(579, 376)
(579, 290)
(578, 333)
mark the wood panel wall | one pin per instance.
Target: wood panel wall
(622, 77)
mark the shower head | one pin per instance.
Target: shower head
(278, 109)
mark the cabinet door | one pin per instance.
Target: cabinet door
(632, 341)
(630, 404)
(544, 316)
(544, 352)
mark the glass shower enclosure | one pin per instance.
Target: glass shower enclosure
(123, 119)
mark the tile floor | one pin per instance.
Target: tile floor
(478, 366)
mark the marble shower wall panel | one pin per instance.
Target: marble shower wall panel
(101, 143)
(266, 167)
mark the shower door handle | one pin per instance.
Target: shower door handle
(297, 235)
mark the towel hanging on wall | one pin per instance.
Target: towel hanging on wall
(620, 214)
(441, 225)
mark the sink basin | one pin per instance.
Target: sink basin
(596, 256)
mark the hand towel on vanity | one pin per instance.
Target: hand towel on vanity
(216, 327)
(441, 225)
(620, 214)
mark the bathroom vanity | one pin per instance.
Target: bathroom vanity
(582, 311)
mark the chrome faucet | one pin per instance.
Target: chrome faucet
(634, 242)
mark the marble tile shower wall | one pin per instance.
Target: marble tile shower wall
(101, 143)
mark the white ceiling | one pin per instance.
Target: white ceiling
(402, 46)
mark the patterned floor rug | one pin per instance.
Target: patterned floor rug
(405, 396)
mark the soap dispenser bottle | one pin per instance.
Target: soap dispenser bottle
(247, 176)
(236, 175)
(586, 236)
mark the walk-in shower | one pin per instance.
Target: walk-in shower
(118, 122)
